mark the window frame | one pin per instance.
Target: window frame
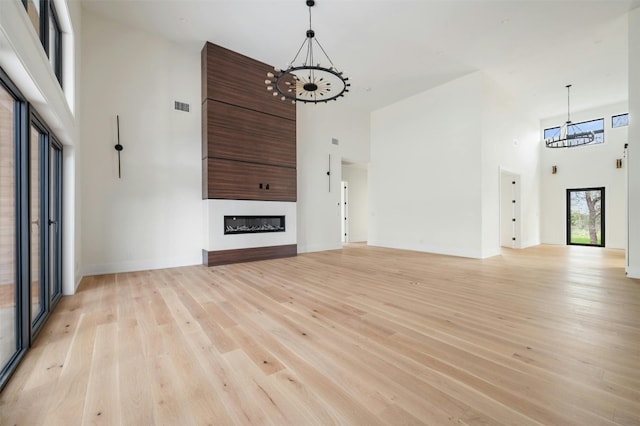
(46, 15)
(26, 330)
(22, 270)
(602, 191)
(52, 16)
(613, 117)
(544, 132)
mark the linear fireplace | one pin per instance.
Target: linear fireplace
(253, 224)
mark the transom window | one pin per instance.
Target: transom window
(575, 134)
(594, 128)
(552, 133)
(43, 16)
(620, 120)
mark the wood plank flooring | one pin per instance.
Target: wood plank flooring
(547, 335)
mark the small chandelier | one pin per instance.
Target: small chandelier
(308, 82)
(569, 134)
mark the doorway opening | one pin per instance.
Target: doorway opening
(585, 217)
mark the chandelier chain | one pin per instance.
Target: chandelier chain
(568, 103)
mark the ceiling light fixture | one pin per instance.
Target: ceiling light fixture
(569, 134)
(308, 82)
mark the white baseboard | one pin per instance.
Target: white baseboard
(140, 265)
(321, 247)
(426, 249)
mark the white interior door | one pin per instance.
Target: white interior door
(344, 211)
(510, 209)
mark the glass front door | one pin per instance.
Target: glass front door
(585, 217)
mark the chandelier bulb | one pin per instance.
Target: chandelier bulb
(275, 93)
(270, 75)
(269, 87)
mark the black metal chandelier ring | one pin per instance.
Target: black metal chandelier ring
(309, 82)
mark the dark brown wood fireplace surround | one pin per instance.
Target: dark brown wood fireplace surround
(248, 141)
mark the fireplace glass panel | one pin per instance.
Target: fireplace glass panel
(253, 224)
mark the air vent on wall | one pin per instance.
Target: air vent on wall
(181, 106)
(335, 141)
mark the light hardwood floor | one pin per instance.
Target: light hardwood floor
(547, 335)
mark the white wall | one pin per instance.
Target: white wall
(634, 146)
(319, 209)
(425, 173)
(585, 167)
(434, 177)
(152, 217)
(510, 142)
(358, 203)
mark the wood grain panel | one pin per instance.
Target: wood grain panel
(237, 180)
(204, 128)
(225, 257)
(241, 134)
(236, 79)
(205, 178)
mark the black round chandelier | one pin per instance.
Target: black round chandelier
(309, 82)
(570, 135)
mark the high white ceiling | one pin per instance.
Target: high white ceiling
(392, 49)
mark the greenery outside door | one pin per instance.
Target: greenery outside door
(585, 217)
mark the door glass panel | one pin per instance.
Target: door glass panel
(55, 197)
(585, 216)
(8, 309)
(37, 305)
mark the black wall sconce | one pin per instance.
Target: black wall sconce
(554, 170)
(118, 147)
(619, 163)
